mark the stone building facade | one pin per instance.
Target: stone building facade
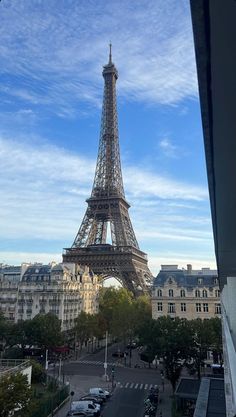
(186, 293)
(62, 289)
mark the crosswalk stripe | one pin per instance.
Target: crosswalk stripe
(101, 363)
(136, 385)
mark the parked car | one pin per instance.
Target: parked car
(95, 398)
(100, 392)
(86, 406)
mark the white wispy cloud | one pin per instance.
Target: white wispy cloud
(63, 45)
(44, 187)
(167, 148)
(180, 259)
(143, 183)
(16, 258)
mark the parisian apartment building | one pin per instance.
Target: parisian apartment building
(62, 289)
(186, 293)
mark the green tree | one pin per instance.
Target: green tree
(142, 311)
(37, 371)
(216, 346)
(84, 328)
(203, 337)
(170, 340)
(4, 328)
(44, 330)
(18, 334)
(15, 393)
(110, 301)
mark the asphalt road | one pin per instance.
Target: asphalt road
(121, 375)
(125, 403)
(132, 384)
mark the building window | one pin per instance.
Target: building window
(159, 293)
(171, 308)
(183, 307)
(171, 293)
(217, 293)
(159, 306)
(217, 309)
(204, 293)
(199, 280)
(182, 293)
(205, 307)
(198, 307)
(197, 293)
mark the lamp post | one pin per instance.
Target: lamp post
(59, 371)
(105, 360)
(46, 360)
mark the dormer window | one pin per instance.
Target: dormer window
(199, 280)
(171, 293)
(197, 294)
(170, 281)
(182, 293)
(204, 293)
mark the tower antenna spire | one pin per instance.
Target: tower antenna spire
(110, 56)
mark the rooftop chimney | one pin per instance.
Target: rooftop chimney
(189, 269)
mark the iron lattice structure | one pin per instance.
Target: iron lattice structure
(107, 206)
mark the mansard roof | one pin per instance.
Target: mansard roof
(34, 271)
(182, 279)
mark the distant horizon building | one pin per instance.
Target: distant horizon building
(62, 289)
(186, 293)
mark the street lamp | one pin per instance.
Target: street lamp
(105, 360)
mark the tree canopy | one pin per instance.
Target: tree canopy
(15, 393)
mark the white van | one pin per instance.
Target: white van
(86, 406)
(99, 392)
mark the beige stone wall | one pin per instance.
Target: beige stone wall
(69, 292)
(190, 300)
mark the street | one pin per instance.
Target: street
(125, 403)
(131, 384)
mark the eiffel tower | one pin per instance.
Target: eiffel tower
(108, 209)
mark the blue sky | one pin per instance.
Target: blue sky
(51, 88)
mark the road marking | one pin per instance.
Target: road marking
(136, 385)
(100, 363)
